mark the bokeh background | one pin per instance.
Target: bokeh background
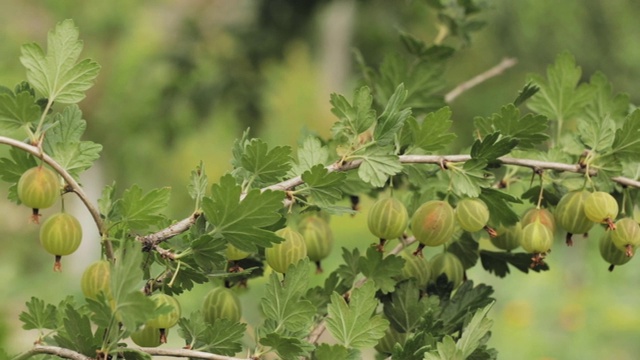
(181, 80)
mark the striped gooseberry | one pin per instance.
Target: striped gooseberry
(38, 188)
(626, 236)
(543, 215)
(508, 238)
(290, 251)
(96, 279)
(388, 218)
(433, 223)
(600, 207)
(416, 267)
(448, 264)
(221, 303)
(318, 238)
(472, 215)
(570, 214)
(148, 336)
(166, 320)
(60, 235)
(536, 239)
(611, 253)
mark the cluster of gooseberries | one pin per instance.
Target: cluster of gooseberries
(61, 233)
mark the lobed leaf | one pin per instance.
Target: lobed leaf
(381, 270)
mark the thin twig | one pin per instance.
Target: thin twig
(187, 354)
(52, 350)
(494, 71)
(76, 188)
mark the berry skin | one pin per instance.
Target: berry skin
(508, 237)
(570, 214)
(600, 207)
(610, 252)
(95, 279)
(38, 188)
(448, 264)
(60, 235)
(416, 267)
(290, 251)
(318, 238)
(472, 214)
(148, 336)
(433, 223)
(543, 215)
(536, 238)
(166, 320)
(388, 219)
(234, 254)
(626, 236)
(221, 303)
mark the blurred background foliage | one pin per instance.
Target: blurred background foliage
(181, 80)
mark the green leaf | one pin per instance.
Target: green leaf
(222, 337)
(140, 211)
(56, 74)
(17, 110)
(446, 350)
(38, 315)
(405, 308)
(466, 249)
(208, 251)
(76, 333)
(597, 134)
(492, 146)
(322, 185)
(335, 352)
(469, 179)
(243, 223)
(381, 270)
(377, 165)
(467, 299)
(287, 347)
(130, 354)
(354, 325)
(351, 268)
(432, 134)
(392, 118)
(198, 183)
(497, 262)
(353, 118)
(527, 92)
(475, 331)
(604, 103)
(498, 202)
(63, 142)
(529, 130)
(310, 154)
(264, 165)
(132, 308)
(560, 97)
(283, 302)
(626, 144)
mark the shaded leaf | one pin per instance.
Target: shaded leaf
(381, 270)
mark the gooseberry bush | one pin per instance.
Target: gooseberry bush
(406, 295)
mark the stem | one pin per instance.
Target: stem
(496, 70)
(187, 354)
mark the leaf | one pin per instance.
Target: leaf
(529, 130)
(560, 97)
(377, 165)
(198, 183)
(492, 146)
(63, 143)
(467, 299)
(76, 333)
(242, 222)
(465, 249)
(351, 268)
(353, 118)
(322, 185)
(604, 103)
(475, 331)
(208, 251)
(405, 308)
(130, 305)
(283, 302)
(287, 347)
(626, 144)
(381, 270)
(470, 178)
(597, 134)
(131, 354)
(222, 337)
(264, 165)
(433, 133)
(392, 118)
(446, 350)
(140, 211)
(527, 92)
(57, 75)
(335, 352)
(38, 315)
(497, 262)
(17, 110)
(310, 154)
(354, 325)
(498, 202)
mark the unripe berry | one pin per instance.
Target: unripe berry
(148, 336)
(234, 254)
(536, 238)
(417, 267)
(388, 218)
(60, 235)
(570, 214)
(221, 303)
(166, 320)
(472, 214)
(508, 237)
(39, 187)
(317, 236)
(626, 236)
(448, 264)
(96, 279)
(433, 223)
(290, 251)
(601, 207)
(610, 252)
(543, 215)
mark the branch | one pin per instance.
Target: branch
(52, 350)
(187, 354)
(73, 184)
(478, 79)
